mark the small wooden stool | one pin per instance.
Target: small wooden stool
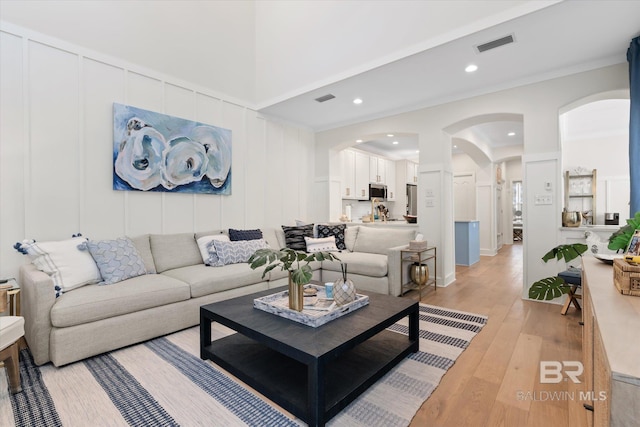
(573, 277)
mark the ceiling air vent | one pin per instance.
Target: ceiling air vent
(325, 98)
(495, 43)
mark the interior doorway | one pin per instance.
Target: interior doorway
(464, 197)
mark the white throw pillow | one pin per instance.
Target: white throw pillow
(207, 250)
(321, 244)
(68, 266)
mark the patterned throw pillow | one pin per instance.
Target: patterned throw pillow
(236, 252)
(68, 266)
(236, 235)
(207, 250)
(321, 244)
(294, 236)
(117, 259)
(333, 230)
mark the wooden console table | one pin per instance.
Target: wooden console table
(611, 354)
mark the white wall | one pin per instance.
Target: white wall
(221, 34)
(539, 105)
(56, 141)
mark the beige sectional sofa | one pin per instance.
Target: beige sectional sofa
(94, 319)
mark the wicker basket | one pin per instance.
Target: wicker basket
(626, 277)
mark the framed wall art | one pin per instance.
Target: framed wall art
(157, 152)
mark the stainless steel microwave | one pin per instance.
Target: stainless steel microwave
(377, 191)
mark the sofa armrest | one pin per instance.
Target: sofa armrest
(393, 270)
(37, 296)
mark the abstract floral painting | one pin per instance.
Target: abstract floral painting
(157, 152)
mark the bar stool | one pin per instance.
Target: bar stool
(573, 277)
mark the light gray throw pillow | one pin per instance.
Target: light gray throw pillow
(117, 259)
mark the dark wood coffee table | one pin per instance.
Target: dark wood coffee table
(313, 373)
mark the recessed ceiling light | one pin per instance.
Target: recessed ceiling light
(358, 141)
(390, 135)
(471, 68)
(417, 151)
(511, 134)
(455, 146)
(395, 142)
(357, 101)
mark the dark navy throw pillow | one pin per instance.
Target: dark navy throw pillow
(235, 235)
(333, 230)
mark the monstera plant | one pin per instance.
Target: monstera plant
(553, 287)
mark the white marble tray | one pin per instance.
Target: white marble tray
(278, 304)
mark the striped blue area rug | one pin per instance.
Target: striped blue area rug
(163, 382)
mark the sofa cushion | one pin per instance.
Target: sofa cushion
(117, 259)
(374, 265)
(294, 236)
(337, 231)
(270, 236)
(209, 280)
(92, 303)
(350, 236)
(174, 251)
(378, 240)
(144, 249)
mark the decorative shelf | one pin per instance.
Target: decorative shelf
(583, 203)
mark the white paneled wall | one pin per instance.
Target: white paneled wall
(56, 140)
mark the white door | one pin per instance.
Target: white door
(464, 197)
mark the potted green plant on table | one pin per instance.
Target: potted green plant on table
(553, 287)
(621, 238)
(296, 263)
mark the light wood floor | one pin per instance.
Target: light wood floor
(482, 388)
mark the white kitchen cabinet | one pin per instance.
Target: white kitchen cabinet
(377, 169)
(412, 172)
(348, 166)
(361, 176)
(390, 172)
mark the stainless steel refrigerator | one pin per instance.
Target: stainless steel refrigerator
(412, 199)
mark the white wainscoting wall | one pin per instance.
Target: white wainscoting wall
(56, 140)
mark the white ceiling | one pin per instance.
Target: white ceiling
(213, 44)
(564, 38)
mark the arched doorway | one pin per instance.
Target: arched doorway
(487, 149)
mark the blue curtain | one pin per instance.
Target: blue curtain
(633, 56)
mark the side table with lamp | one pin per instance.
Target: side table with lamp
(418, 254)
